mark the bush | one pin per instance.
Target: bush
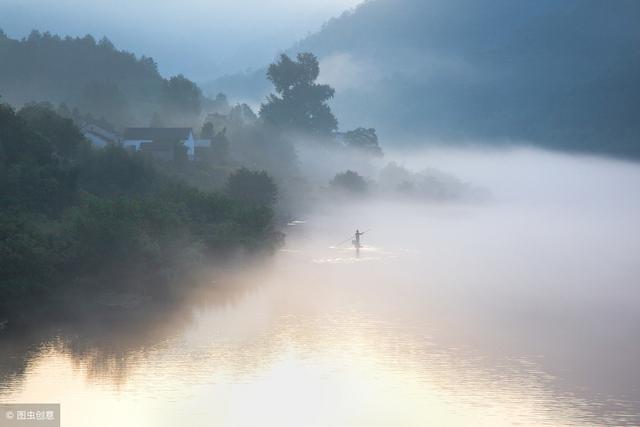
(76, 217)
(350, 181)
(252, 187)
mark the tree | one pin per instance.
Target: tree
(252, 186)
(181, 97)
(62, 135)
(40, 153)
(207, 131)
(365, 140)
(105, 99)
(96, 77)
(350, 181)
(218, 153)
(300, 103)
(220, 104)
(242, 115)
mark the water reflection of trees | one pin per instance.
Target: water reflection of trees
(105, 340)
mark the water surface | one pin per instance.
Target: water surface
(518, 311)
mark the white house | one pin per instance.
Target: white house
(134, 138)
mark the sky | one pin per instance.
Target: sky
(202, 39)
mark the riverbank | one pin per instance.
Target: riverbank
(78, 222)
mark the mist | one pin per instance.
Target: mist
(558, 75)
(185, 37)
(546, 269)
(339, 213)
(521, 305)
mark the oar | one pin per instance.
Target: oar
(351, 238)
(345, 241)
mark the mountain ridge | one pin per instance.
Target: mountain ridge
(556, 74)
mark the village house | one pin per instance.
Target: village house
(163, 144)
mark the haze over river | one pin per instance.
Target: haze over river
(521, 310)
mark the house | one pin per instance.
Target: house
(164, 150)
(161, 143)
(98, 136)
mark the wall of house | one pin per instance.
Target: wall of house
(190, 143)
(134, 143)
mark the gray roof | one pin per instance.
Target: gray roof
(99, 132)
(152, 134)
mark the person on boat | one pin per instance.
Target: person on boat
(356, 241)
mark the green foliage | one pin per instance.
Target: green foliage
(181, 98)
(62, 135)
(39, 157)
(300, 103)
(105, 83)
(364, 140)
(71, 215)
(26, 258)
(80, 72)
(287, 74)
(105, 99)
(207, 131)
(349, 181)
(218, 105)
(252, 187)
(113, 170)
(218, 152)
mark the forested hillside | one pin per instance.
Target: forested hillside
(94, 77)
(557, 74)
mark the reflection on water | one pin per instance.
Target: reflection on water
(445, 318)
(349, 255)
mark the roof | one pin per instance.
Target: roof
(99, 132)
(152, 134)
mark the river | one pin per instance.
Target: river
(522, 310)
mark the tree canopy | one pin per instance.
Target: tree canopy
(180, 97)
(95, 77)
(350, 181)
(76, 216)
(364, 140)
(252, 186)
(299, 103)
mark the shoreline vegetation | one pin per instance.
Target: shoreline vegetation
(115, 226)
(131, 223)
(84, 221)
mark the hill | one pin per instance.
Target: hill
(557, 74)
(92, 76)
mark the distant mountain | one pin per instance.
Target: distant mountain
(559, 73)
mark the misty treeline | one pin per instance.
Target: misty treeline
(92, 82)
(74, 218)
(95, 78)
(557, 74)
(397, 181)
(81, 219)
